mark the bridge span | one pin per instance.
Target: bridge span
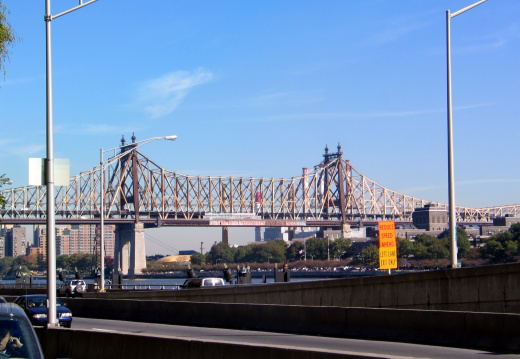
(138, 194)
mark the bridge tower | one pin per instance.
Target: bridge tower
(341, 185)
(129, 247)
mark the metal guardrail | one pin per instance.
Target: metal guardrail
(143, 287)
(110, 286)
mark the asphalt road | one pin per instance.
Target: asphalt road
(361, 347)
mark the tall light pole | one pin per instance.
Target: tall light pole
(49, 166)
(133, 145)
(451, 172)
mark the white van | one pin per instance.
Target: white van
(202, 282)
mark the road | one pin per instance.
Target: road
(347, 346)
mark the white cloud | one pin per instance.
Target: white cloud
(159, 97)
(26, 150)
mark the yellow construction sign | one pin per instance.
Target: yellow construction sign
(387, 245)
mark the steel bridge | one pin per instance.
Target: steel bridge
(138, 191)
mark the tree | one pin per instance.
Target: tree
(316, 248)
(463, 243)
(272, 251)
(341, 248)
(197, 259)
(220, 253)
(3, 180)
(295, 251)
(7, 36)
(370, 256)
(244, 254)
(404, 247)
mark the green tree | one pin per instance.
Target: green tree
(7, 36)
(493, 250)
(220, 253)
(6, 263)
(295, 251)
(370, 256)
(244, 254)
(271, 251)
(438, 250)
(3, 179)
(316, 248)
(341, 248)
(197, 259)
(404, 247)
(463, 242)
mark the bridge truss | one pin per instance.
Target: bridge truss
(137, 189)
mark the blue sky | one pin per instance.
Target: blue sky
(258, 88)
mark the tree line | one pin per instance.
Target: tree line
(500, 248)
(424, 251)
(277, 251)
(85, 263)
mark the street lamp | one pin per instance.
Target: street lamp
(52, 319)
(451, 172)
(133, 145)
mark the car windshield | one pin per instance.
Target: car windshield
(212, 282)
(40, 301)
(20, 332)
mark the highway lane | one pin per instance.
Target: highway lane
(365, 347)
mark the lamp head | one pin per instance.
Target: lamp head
(171, 138)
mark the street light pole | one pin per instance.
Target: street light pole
(134, 145)
(451, 167)
(49, 168)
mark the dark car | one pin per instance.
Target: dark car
(22, 341)
(35, 306)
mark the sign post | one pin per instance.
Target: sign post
(387, 246)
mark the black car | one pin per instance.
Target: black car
(35, 306)
(17, 336)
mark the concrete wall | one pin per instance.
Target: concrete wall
(491, 331)
(82, 344)
(479, 289)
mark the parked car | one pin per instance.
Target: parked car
(202, 282)
(22, 341)
(35, 306)
(72, 287)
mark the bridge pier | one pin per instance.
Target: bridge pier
(225, 235)
(129, 249)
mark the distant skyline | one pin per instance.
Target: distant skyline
(258, 89)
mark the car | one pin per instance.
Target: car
(202, 282)
(15, 325)
(2, 300)
(72, 287)
(35, 306)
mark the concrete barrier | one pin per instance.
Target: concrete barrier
(79, 344)
(479, 289)
(489, 331)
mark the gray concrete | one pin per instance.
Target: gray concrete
(480, 289)
(490, 331)
(79, 344)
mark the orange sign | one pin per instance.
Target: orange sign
(387, 245)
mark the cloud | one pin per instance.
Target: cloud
(27, 150)
(159, 97)
(364, 115)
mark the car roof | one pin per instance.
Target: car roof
(33, 296)
(11, 308)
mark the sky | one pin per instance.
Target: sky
(259, 88)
